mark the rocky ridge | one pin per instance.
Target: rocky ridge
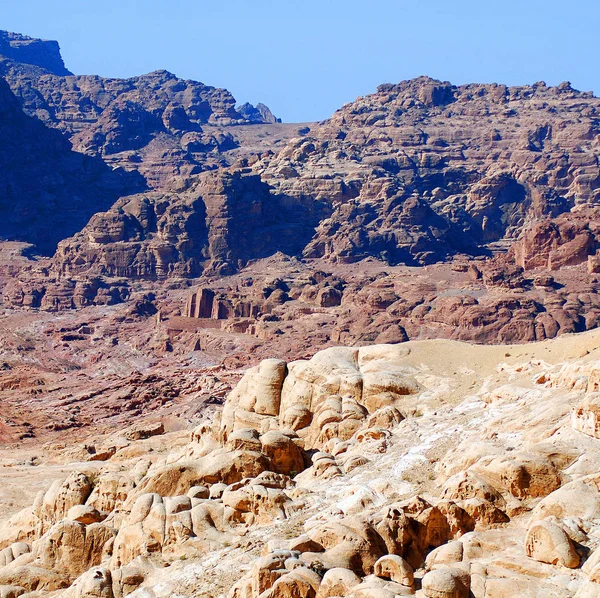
(414, 180)
(369, 189)
(40, 53)
(49, 191)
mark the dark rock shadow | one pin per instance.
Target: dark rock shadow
(47, 191)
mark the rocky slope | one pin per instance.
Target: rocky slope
(415, 174)
(408, 179)
(49, 191)
(438, 169)
(161, 126)
(424, 170)
(428, 469)
(167, 426)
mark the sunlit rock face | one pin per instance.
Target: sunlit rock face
(412, 469)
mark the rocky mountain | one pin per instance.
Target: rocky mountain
(225, 219)
(417, 174)
(43, 54)
(413, 174)
(422, 171)
(47, 190)
(152, 124)
(220, 379)
(85, 142)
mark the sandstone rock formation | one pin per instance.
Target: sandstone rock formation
(412, 181)
(167, 424)
(427, 469)
(417, 173)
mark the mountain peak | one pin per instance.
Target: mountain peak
(37, 52)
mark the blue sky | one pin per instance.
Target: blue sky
(305, 59)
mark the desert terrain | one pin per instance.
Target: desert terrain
(241, 358)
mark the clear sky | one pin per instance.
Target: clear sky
(305, 58)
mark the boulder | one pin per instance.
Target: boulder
(395, 568)
(547, 542)
(446, 582)
(337, 582)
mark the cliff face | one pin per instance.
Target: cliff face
(49, 192)
(89, 108)
(415, 174)
(150, 126)
(418, 173)
(412, 174)
(225, 219)
(75, 103)
(424, 169)
(44, 54)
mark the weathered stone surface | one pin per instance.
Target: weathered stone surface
(446, 583)
(50, 191)
(330, 395)
(41, 53)
(547, 542)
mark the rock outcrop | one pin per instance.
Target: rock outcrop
(44, 54)
(415, 180)
(360, 472)
(418, 173)
(49, 191)
(224, 220)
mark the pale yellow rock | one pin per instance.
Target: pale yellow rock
(351, 544)
(258, 395)
(268, 569)
(54, 504)
(72, 547)
(395, 568)
(143, 531)
(522, 475)
(382, 493)
(579, 498)
(12, 552)
(95, 583)
(375, 587)
(32, 577)
(284, 455)
(245, 439)
(110, 491)
(586, 416)
(446, 582)
(222, 466)
(126, 579)
(548, 543)
(467, 484)
(589, 589)
(317, 396)
(11, 591)
(483, 512)
(200, 492)
(337, 582)
(449, 553)
(301, 582)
